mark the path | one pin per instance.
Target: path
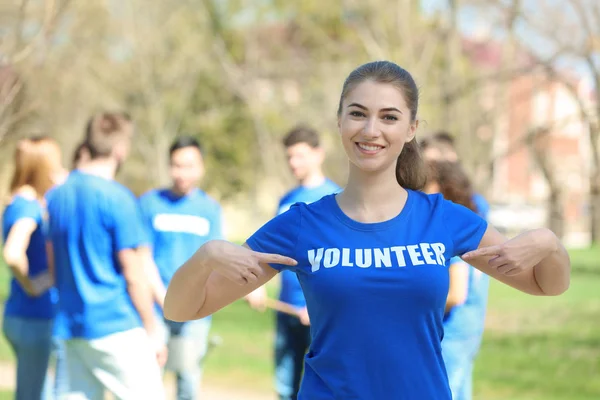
(7, 379)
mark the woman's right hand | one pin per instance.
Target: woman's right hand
(239, 263)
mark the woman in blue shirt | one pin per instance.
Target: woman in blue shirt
(373, 259)
(29, 309)
(468, 290)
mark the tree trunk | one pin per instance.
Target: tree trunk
(595, 206)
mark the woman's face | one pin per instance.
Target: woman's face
(374, 125)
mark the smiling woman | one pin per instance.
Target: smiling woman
(368, 258)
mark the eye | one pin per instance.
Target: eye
(357, 114)
(390, 117)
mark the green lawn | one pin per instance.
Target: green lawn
(533, 349)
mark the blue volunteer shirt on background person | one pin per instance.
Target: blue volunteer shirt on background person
(91, 219)
(28, 321)
(375, 292)
(463, 331)
(483, 207)
(18, 303)
(178, 225)
(291, 291)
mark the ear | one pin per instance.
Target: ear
(412, 130)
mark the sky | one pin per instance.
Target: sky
(473, 22)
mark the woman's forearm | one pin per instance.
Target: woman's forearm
(186, 292)
(552, 274)
(19, 268)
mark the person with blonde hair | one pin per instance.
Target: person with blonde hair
(30, 308)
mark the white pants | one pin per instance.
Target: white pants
(123, 363)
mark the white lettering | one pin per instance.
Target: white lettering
(382, 257)
(399, 256)
(346, 258)
(331, 258)
(366, 261)
(181, 223)
(439, 249)
(414, 254)
(427, 253)
(315, 259)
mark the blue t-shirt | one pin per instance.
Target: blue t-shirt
(19, 303)
(468, 319)
(483, 207)
(291, 291)
(91, 220)
(178, 226)
(375, 294)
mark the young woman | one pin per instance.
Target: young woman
(373, 259)
(29, 309)
(468, 290)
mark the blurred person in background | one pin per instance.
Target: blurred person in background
(179, 219)
(466, 303)
(105, 318)
(440, 146)
(30, 308)
(305, 158)
(81, 155)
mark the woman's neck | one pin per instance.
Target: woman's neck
(372, 196)
(104, 167)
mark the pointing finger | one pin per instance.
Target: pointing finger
(275, 259)
(483, 252)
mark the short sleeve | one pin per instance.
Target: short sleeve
(127, 226)
(465, 227)
(279, 235)
(29, 209)
(146, 219)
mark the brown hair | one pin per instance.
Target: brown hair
(453, 181)
(106, 130)
(302, 134)
(410, 168)
(78, 154)
(36, 159)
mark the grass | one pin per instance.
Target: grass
(534, 348)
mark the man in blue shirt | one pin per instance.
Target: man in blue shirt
(179, 220)
(105, 316)
(305, 158)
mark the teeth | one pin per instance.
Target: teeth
(368, 147)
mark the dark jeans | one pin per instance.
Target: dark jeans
(291, 344)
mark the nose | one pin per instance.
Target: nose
(370, 130)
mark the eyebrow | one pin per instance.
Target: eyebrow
(383, 109)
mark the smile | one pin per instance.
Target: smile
(369, 148)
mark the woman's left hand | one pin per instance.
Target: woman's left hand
(518, 254)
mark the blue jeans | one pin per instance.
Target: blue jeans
(459, 356)
(31, 341)
(292, 341)
(187, 343)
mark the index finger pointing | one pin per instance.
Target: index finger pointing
(275, 259)
(488, 251)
